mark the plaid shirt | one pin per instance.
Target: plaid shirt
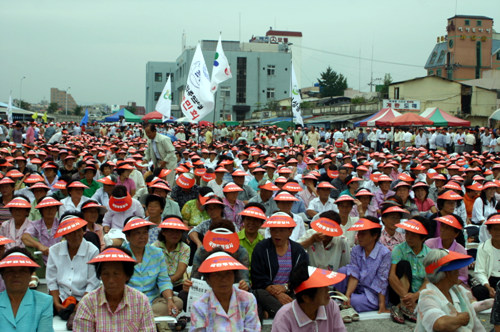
(132, 314)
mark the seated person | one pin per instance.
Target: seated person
(121, 207)
(193, 212)
(284, 201)
(323, 202)
(253, 216)
(391, 216)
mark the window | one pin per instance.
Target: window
(157, 95)
(431, 72)
(157, 77)
(396, 93)
(241, 80)
(498, 55)
(433, 58)
(467, 22)
(225, 92)
(270, 93)
(438, 72)
(441, 57)
(171, 76)
(479, 23)
(271, 70)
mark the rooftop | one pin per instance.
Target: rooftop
(474, 17)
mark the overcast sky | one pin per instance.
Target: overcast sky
(99, 48)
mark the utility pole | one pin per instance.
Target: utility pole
(21, 91)
(67, 99)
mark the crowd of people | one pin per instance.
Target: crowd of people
(306, 226)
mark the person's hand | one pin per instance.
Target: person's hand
(382, 309)
(171, 308)
(284, 298)
(274, 290)
(491, 290)
(58, 306)
(357, 202)
(463, 318)
(317, 237)
(348, 301)
(186, 285)
(162, 164)
(44, 250)
(409, 300)
(243, 285)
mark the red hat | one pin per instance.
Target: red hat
(490, 184)
(6, 180)
(280, 219)
(354, 179)
(161, 185)
(452, 185)
(69, 224)
(285, 197)
(384, 178)
(77, 184)
(319, 278)
(493, 220)
(364, 224)
(363, 192)
(392, 209)
(185, 180)
(344, 198)
(164, 172)
(39, 185)
(112, 255)
(19, 203)
(253, 212)
(452, 261)
(332, 174)
(5, 240)
(93, 204)
(61, 184)
(231, 187)
(207, 177)
(48, 202)
(14, 173)
(220, 261)
(120, 204)
(326, 185)
(223, 238)
(200, 171)
(213, 200)
(450, 195)
(267, 186)
(137, 222)
(34, 178)
(17, 259)
(221, 170)
(173, 223)
(413, 226)
(450, 221)
(326, 226)
(405, 177)
(292, 187)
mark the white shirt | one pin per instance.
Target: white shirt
(332, 257)
(407, 137)
(298, 231)
(101, 197)
(69, 206)
(420, 140)
(480, 212)
(319, 207)
(216, 188)
(72, 277)
(137, 177)
(115, 219)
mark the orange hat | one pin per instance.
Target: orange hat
(292, 187)
(69, 224)
(6, 180)
(319, 278)
(112, 255)
(253, 212)
(231, 187)
(34, 178)
(332, 174)
(220, 261)
(120, 204)
(354, 179)
(48, 202)
(221, 170)
(453, 186)
(173, 223)
(326, 226)
(14, 173)
(493, 220)
(267, 186)
(17, 259)
(285, 197)
(161, 185)
(61, 184)
(5, 240)
(450, 195)
(450, 221)
(364, 224)
(392, 209)
(280, 219)
(490, 184)
(185, 180)
(164, 172)
(207, 177)
(126, 166)
(77, 184)
(223, 238)
(39, 185)
(364, 192)
(344, 198)
(384, 178)
(325, 184)
(137, 222)
(405, 177)
(413, 226)
(200, 171)
(239, 173)
(213, 200)
(19, 203)
(452, 261)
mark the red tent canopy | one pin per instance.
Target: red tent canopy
(408, 119)
(152, 116)
(384, 115)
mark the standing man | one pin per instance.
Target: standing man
(313, 137)
(161, 151)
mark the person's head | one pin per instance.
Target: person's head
(442, 265)
(284, 201)
(402, 189)
(7, 187)
(74, 221)
(221, 280)
(114, 274)
(253, 216)
(364, 196)
(313, 297)
(367, 238)
(417, 231)
(91, 210)
(171, 232)
(343, 172)
(323, 189)
(421, 191)
(138, 237)
(150, 130)
(281, 227)
(19, 208)
(17, 276)
(155, 205)
(345, 204)
(90, 172)
(215, 208)
(231, 191)
(450, 228)
(447, 202)
(493, 226)
(391, 215)
(106, 169)
(75, 189)
(48, 208)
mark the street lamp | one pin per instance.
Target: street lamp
(21, 90)
(67, 99)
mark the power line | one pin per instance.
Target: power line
(359, 57)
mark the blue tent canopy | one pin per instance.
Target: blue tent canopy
(357, 124)
(129, 116)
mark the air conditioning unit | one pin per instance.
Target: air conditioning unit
(488, 30)
(460, 29)
(467, 29)
(480, 29)
(473, 29)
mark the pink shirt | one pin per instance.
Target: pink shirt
(425, 205)
(291, 318)
(436, 243)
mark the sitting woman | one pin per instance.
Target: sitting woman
(154, 209)
(326, 248)
(15, 227)
(22, 309)
(407, 275)
(365, 203)
(91, 212)
(232, 205)
(425, 205)
(193, 212)
(402, 190)
(485, 204)
(176, 251)
(121, 207)
(391, 216)
(444, 305)
(75, 199)
(345, 204)
(124, 179)
(225, 307)
(367, 273)
(114, 306)
(316, 310)
(68, 275)
(451, 228)
(215, 210)
(272, 261)
(285, 201)
(151, 272)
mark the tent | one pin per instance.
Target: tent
(408, 119)
(129, 116)
(494, 117)
(382, 116)
(443, 119)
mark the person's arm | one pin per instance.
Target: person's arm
(165, 286)
(451, 323)
(395, 283)
(194, 236)
(351, 287)
(29, 241)
(181, 268)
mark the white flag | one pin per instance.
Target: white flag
(9, 110)
(164, 104)
(221, 71)
(198, 101)
(296, 100)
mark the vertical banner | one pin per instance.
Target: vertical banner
(164, 104)
(296, 100)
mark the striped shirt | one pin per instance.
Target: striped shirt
(285, 263)
(151, 275)
(132, 314)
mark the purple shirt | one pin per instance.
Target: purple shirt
(46, 237)
(232, 212)
(436, 243)
(380, 197)
(291, 318)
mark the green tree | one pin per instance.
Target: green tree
(77, 110)
(25, 105)
(131, 109)
(384, 93)
(331, 83)
(53, 107)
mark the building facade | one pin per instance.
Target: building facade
(472, 103)
(62, 98)
(469, 48)
(261, 75)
